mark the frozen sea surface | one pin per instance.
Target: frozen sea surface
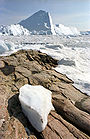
(73, 54)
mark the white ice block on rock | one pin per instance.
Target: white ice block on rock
(36, 105)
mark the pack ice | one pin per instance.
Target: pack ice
(36, 105)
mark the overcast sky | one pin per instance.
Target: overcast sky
(67, 12)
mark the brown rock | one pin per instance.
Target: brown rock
(2, 64)
(72, 116)
(84, 104)
(69, 111)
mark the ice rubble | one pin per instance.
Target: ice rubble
(36, 105)
(3, 47)
(8, 47)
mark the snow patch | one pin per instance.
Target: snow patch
(36, 105)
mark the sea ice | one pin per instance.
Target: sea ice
(36, 105)
(73, 54)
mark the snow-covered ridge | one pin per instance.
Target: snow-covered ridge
(14, 29)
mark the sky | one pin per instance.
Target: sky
(68, 12)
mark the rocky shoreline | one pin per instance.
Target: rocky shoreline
(71, 118)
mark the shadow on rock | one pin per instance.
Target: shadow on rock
(7, 69)
(14, 109)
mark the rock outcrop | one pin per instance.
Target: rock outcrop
(71, 118)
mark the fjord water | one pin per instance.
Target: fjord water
(73, 54)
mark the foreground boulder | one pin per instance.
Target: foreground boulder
(71, 118)
(36, 105)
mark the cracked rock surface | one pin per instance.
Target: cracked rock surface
(71, 118)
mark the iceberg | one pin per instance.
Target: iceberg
(64, 30)
(36, 105)
(39, 23)
(14, 30)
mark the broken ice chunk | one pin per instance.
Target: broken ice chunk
(36, 105)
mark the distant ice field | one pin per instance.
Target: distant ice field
(73, 54)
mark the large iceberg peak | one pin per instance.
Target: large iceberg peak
(39, 23)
